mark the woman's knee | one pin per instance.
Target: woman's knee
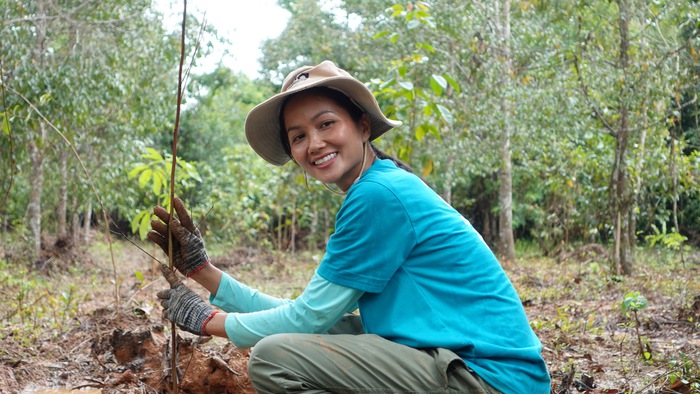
(272, 360)
(269, 348)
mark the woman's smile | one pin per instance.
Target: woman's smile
(326, 159)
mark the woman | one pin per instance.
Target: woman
(436, 311)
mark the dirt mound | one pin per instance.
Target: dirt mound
(126, 353)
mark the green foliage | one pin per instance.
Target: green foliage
(422, 92)
(686, 371)
(633, 302)
(436, 68)
(671, 240)
(35, 305)
(154, 175)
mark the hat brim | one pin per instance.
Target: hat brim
(262, 128)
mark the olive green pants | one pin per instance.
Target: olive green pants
(356, 363)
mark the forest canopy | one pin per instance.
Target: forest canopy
(552, 123)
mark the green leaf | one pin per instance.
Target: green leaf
(445, 113)
(152, 154)
(145, 225)
(422, 14)
(403, 70)
(420, 133)
(387, 83)
(440, 80)
(413, 24)
(5, 125)
(139, 167)
(45, 98)
(633, 301)
(426, 46)
(438, 84)
(139, 275)
(381, 34)
(406, 85)
(190, 170)
(158, 183)
(145, 177)
(137, 219)
(432, 129)
(452, 83)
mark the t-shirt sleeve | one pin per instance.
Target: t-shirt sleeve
(316, 310)
(373, 237)
(234, 296)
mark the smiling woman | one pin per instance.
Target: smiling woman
(407, 296)
(243, 25)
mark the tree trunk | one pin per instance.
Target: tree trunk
(449, 137)
(505, 192)
(61, 209)
(75, 222)
(86, 222)
(36, 158)
(447, 193)
(35, 151)
(639, 180)
(621, 201)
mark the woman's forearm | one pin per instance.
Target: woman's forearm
(209, 277)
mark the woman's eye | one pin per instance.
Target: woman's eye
(296, 137)
(326, 124)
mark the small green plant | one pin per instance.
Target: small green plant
(685, 374)
(37, 306)
(635, 302)
(672, 240)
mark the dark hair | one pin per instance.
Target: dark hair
(355, 112)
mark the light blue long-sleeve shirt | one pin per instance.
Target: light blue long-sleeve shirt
(254, 315)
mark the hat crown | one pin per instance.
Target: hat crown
(312, 74)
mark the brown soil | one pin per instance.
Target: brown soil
(589, 344)
(115, 350)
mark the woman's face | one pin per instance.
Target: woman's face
(325, 141)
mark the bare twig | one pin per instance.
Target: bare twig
(173, 359)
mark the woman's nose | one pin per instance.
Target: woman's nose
(316, 141)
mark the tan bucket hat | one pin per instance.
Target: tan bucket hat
(262, 127)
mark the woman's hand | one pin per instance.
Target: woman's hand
(183, 307)
(189, 254)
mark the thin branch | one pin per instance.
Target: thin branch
(176, 127)
(196, 49)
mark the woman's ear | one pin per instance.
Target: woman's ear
(365, 127)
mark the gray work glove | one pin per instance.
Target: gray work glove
(183, 307)
(189, 255)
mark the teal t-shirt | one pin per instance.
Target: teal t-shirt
(430, 280)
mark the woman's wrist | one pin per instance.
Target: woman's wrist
(209, 277)
(216, 326)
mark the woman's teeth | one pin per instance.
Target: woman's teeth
(325, 159)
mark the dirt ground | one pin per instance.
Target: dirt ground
(105, 346)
